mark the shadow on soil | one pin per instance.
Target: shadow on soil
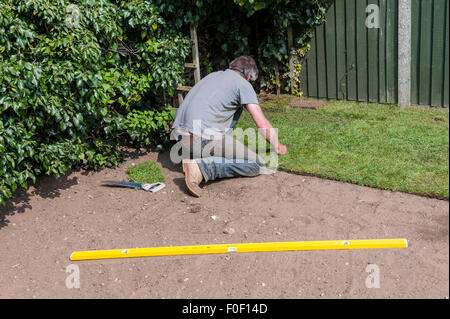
(45, 187)
(166, 163)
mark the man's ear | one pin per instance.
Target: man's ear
(248, 79)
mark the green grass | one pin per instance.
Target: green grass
(375, 145)
(145, 172)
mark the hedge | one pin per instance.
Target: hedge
(81, 80)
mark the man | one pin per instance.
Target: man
(205, 119)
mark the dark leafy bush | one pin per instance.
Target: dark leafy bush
(227, 29)
(80, 79)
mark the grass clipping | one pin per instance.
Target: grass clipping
(145, 172)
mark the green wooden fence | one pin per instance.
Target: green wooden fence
(350, 61)
(429, 52)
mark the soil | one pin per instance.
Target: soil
(264, 97)
(295, 103)
(306, 104)
(41, 227)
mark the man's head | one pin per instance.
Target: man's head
(247, 66)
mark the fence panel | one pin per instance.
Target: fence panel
(429, 46)
(354, 54)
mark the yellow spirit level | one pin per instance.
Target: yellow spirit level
(240, 248)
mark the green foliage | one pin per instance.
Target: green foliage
(251, 27)
(141, 126)
(145, 172)
(79, 79)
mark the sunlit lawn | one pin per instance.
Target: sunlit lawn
(375, 145)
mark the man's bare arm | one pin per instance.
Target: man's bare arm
(265, 127)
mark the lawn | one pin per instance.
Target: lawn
(374, 145)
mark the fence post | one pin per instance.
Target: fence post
(404, 53)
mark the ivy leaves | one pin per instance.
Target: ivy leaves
(80, 79)
(246, 27)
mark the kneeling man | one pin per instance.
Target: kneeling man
(206, 118)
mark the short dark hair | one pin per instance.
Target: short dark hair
(246, 65)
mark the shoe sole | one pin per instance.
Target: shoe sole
(186, 180)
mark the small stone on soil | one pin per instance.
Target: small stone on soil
(229, 231)
(195, 208)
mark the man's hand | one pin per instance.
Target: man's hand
(266, 128)
(282, 149)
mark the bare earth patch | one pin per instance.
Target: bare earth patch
(40, 228)
(306, 104)
(264, 97)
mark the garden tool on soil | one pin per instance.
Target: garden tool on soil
(146, 187)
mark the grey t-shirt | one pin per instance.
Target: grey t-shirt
(211, 104)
